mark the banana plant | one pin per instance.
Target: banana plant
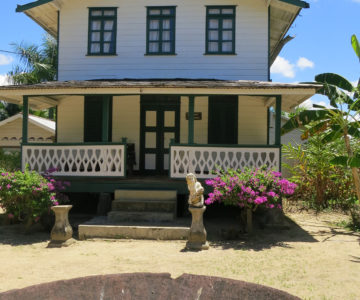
(341, 121)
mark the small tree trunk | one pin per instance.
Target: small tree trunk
(249, 225)
(354, 171)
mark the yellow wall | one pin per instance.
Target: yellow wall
(126, 122)
(71, 120)
(11, 134)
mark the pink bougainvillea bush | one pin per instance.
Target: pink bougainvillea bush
(27, 196)
(249, 188)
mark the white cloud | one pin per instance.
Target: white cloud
(304, 63)
(284, 67)
(4, 80)
(356, 1)
(5, 59)
(308, 104)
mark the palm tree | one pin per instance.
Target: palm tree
(38, 63)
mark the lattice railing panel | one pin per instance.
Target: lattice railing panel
(76, 160)
(203, 160)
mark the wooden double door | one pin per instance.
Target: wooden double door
(159, 124)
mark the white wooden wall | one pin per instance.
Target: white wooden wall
(250, 63)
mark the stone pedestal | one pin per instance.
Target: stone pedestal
(61, 234)
(197, 236)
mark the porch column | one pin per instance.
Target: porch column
(25, 119)
(191, 119)
(105, 119)
(278, 121)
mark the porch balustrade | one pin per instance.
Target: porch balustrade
(203, 159)
(76, 159)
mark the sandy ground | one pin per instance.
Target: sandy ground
(313, 260)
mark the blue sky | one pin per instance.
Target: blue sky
(322, 42)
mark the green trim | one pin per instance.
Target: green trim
(21, 8)
(57, 45)
(220, 17)
(102, 31)
(25, 119)
(191, 119)
(268, 127)
(299, 3)
(227, 146)
(56, 123)
(278, 121)
(269, 44)
(105, 119)
(161, 17)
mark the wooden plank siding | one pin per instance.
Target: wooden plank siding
(250, 61)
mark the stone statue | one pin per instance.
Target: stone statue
(196, 197)
(197, 235)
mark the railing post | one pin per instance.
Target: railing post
(191, 119)
(25, 119)
(278, 121)
(278, 127)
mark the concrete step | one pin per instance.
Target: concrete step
(133, 232)
(147, 216)
(148, 195)
(144, 205)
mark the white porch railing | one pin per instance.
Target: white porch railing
(202, 159)
(76, 159)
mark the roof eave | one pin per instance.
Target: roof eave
(22, 8)
(298, 3)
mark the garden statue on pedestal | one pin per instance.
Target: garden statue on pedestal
(197, 236)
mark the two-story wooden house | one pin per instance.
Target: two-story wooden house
(185, 83)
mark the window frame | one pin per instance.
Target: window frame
(102, 18)
(220, 17)
(161, 17)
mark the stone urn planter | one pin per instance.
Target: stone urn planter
(61, 234)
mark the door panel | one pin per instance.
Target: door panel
(160, 122)
(223, 120)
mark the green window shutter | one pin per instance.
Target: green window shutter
(102, 31)
(220, 30)
(160, 32)
(93, 119)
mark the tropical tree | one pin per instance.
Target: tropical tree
(37, 63)
(8, 110)
(341, 121)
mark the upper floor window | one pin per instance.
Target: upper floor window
(102, 31)
(160, 30)
(220, 30)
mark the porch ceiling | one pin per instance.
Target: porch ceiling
(48, 94)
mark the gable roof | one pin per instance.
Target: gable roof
(282, 14)
(43, 123)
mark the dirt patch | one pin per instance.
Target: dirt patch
(312, 260)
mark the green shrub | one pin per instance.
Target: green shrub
(321, 184)
(26, 196)
(10, 161)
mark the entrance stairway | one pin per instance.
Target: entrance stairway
(139, 214)
(143, 206)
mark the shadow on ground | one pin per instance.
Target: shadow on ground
(227, 234)
(15, 234)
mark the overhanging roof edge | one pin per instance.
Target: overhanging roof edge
(299, 3)
(21, 8)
